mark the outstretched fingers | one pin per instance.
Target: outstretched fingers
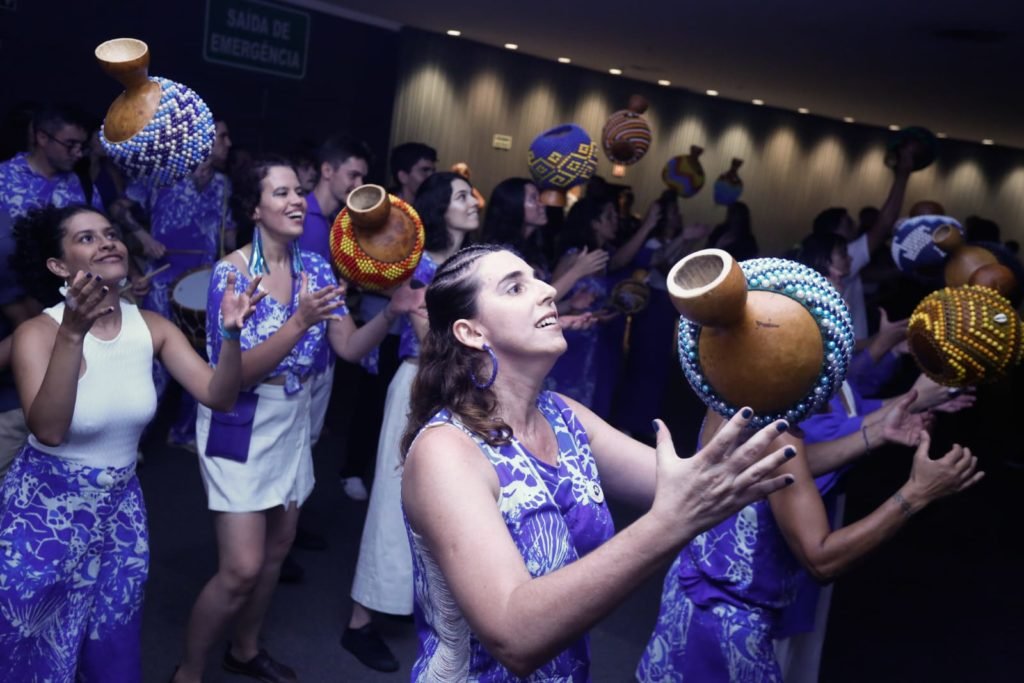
(724, 442)
(765, 488)
(750, 451)
(759, 470)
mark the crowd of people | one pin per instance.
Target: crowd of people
(502, 395)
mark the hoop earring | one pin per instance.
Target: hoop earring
(494, 371)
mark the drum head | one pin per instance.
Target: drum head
(190, 291)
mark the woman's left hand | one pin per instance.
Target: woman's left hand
(236, 307)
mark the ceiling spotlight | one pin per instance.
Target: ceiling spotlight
(758, 102)
(804, 110)
(615, 72)
(848, 119)
(664, 82)
(454, 33)
(511, 46)
(893, 126)
(712, 93)
(564, 60)
(941, 135)
(988, 141)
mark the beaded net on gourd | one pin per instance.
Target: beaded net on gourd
(962, 336)
(817, 295)
(683, 174)
(176, 140)
(562, 157)
(626, 137)
(355, 265)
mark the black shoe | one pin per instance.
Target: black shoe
(369, 648)
(291, 571)
(308, 540)
(262, 667)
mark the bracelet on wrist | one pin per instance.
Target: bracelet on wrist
(230, 335)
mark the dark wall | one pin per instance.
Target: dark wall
(47, 55)
(456, 94)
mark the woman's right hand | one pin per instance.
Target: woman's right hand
(590, 262)
(85, 303)
(316, 307)
(730, 472)
(931, 480)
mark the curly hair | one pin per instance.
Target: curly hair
(447, 367)
(37, 237)
(246, 190)
(432, 201)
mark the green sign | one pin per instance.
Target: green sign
(255, 35)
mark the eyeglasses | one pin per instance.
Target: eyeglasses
(71, 146)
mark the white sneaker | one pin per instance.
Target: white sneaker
(354, 488)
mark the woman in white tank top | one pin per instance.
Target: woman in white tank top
(74, 548)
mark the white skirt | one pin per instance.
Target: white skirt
(279, 469)
(383, 580)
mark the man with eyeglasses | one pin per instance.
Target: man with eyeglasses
(43, 175)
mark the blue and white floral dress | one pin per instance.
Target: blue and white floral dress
(555, 515)
(279, 468)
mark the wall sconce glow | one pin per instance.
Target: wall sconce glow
(664, 82)
(615, 72)
(758, 102)
(511, 46)
(893, 126)
(848, 119)
(804, 110)
(712, 93)
(455, 34)
(942, 136)
(564, 60)
(988, 141)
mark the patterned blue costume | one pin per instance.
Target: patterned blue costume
(720, 603)
(22, 189)
(188, 220)
(74, 547)
(554, 515)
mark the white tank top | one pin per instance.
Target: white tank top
(116, 397)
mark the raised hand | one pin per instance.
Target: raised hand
(584, 321)
(236, 307)
(590, 262)
(893, 330)
(902, 426)
(409, 298)
(651, 218)
(931, 395)
(959, 399)
(931, 480)
(85, 303)
(318, 306)
(730, 472)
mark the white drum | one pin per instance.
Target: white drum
(188, 304)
